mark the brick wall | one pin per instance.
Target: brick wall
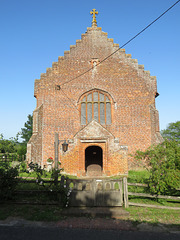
(132, 93)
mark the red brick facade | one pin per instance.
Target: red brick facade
(130, 90)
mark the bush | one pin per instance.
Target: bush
(21, 150)
(58, 191)
(163, 162)
(8, 180)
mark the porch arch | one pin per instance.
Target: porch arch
(93, 160)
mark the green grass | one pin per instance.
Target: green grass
(150, 201)
(47, 175)
(142, 177)
(138, 176)
(31, 212)
(34, 175)
(32, 186)
(152, 215)
(54, 213)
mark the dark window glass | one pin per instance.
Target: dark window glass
(96, 105)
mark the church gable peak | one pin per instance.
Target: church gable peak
(89, 51)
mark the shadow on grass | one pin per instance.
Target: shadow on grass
(89, 218)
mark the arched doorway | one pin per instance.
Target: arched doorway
(93, 161)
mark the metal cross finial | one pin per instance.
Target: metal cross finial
(94, 12)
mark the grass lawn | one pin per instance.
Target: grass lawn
(31, 212)
(140, 176)
(54, 213)
(153, 215)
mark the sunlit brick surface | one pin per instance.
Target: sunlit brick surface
(131, 90)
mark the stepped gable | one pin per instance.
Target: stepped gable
(95, 44)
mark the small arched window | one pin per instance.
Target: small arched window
(95, 105)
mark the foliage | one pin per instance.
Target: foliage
(8, 180)
(163, 162)
(7, 146)
(12, 148)
(23, 167)
(21, 149)
(26, 132)
(40, 172)
(13, 145)
(50, 160)
(172, 132)
(57, 189)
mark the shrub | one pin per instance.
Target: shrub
(57, 189)
(163, 163)
(8, 180)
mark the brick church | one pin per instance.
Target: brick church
(100, 110)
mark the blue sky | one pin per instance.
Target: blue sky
(34, 33)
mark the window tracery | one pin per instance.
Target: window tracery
(95, 105)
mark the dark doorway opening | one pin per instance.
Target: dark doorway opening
(93, 161)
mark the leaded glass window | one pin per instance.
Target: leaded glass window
(96, 105)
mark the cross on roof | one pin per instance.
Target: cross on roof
(94, 12)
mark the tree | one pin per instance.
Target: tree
(13, 145)
(163, 161)
(7, 146)
(26, 132)
(172, 131)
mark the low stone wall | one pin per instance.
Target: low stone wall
(95, 192)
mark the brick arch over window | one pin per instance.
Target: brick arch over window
(97, 105)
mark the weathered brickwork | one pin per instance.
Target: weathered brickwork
(131, 90)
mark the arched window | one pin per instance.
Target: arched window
(95, 105)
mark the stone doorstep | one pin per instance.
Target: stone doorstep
(112, 212)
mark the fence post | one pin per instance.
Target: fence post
(94, 191)
(126, 203)
(121, 189)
